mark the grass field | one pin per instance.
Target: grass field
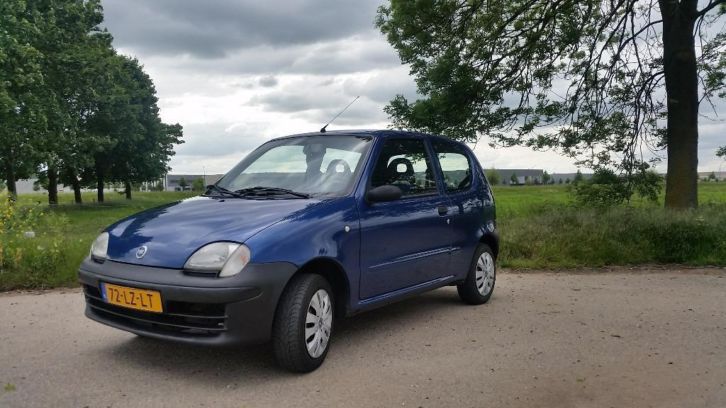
(539, 225)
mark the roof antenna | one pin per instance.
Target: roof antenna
(322, 130)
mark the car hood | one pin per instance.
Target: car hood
(173, 232)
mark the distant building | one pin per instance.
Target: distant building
(561, 178)
(29, 186)
(704, 175)
(172, 182)
(523, 176)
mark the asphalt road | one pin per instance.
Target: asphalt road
(616, 339)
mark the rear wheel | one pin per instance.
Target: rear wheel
(303, 323)
(478, 286)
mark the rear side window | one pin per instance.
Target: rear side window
(455, 165)
(405, 164)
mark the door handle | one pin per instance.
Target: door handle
(443, 210)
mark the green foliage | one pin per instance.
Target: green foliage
(32, 245)
(22, 114)
(493, 177)
(647, 184)
(721, 152)
(607, 189)
(546, 178)
(514, 179)
(198, 184)
(574, 237)
(183, 183)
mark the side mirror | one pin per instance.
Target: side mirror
(384, 193)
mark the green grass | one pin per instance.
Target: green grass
(540, 228)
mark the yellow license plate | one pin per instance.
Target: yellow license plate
(132, 298)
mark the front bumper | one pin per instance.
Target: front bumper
(197, 309)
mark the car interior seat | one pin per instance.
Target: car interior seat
(400, 174)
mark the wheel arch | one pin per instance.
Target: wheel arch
(334, 273)
(492, 240)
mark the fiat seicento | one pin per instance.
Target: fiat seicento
(304, 230)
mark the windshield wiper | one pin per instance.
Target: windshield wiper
(221, 191)
(269, 191)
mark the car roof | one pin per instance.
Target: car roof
(387, 133)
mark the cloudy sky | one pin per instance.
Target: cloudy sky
(235, 73)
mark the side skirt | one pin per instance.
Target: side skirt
(401, 294)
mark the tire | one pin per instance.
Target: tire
(478, 286)
(303, 318)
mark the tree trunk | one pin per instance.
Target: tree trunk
(10, 181)
(77, 190)
(99, 183)
(681, 77)
(52, 185)
(127, 187)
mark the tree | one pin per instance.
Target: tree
(721, 152)
(593, 79)
(712, 177)
(606, 188)
(198, 184)
(578, 177)
(183, 183)
(514, 180)
(22, 115)
(75, 64)
(143, 152)
(493, 176)
(546, 178)
(141, 145)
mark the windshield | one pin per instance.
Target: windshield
(308, 165)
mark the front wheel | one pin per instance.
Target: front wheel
(303, 324)
(478, 286)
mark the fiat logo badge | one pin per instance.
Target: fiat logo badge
(141, 252)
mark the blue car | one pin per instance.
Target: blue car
(305, 229)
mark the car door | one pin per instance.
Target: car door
(405, 242)
(471, 204)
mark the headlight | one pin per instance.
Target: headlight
(227, 258)
(100, 247)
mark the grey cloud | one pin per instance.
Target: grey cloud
(298, 98)
(348, 55)
(268, 81)
(212, 29)
(220, 139)
(318, 101)
(363, 112)
(383, 86)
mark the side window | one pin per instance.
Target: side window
(454, 164)
(405, 164)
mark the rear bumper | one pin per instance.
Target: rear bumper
(197, 310)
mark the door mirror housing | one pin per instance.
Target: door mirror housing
(384, 193)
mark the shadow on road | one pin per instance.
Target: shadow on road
(222, 366)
